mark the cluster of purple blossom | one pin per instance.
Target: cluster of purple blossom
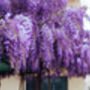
(43, 35)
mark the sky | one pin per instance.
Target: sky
(86, 22)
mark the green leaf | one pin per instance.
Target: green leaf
(4, 67)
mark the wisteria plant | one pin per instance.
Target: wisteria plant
(44, 36)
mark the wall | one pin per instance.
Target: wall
(74, 3)
(76, 84)
(13, 82)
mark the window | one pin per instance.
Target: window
(59, 83)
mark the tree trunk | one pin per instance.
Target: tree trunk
(0, 82)
(49, 83)
(21, 83)
(39, 82)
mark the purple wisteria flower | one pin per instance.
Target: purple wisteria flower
(43, 35)
(19, 32)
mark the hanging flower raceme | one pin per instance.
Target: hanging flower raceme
(43, 10)
(33, 58)
(46, 48)
(4, 46)
(4, 7)
(1, 51)
(3, 40)
(19, 6)
(19, 32)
